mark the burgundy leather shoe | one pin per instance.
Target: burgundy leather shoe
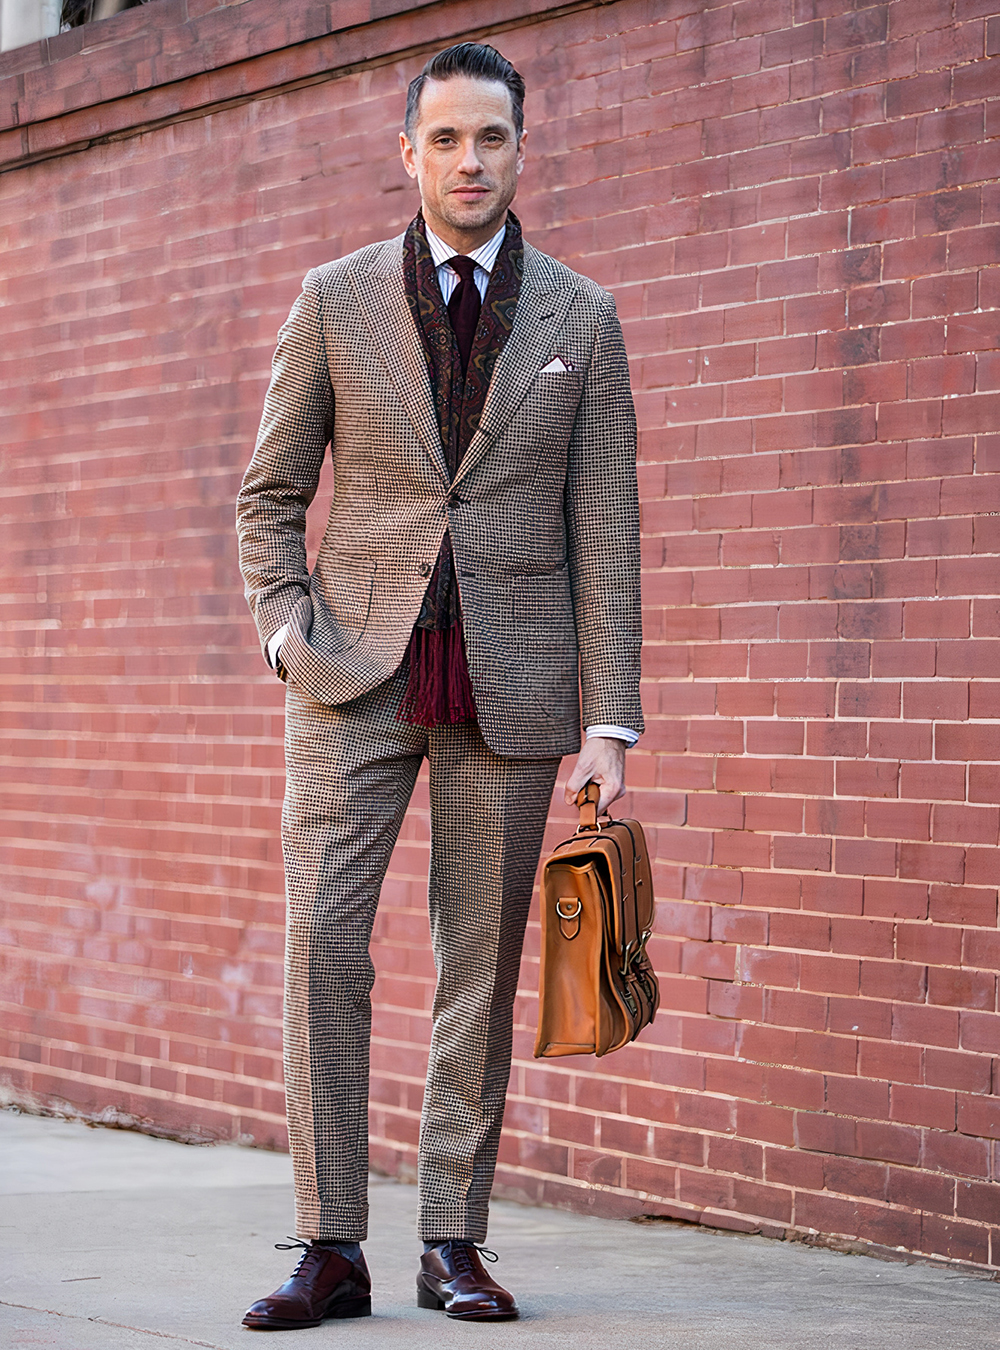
(452, 1280)
(324, 1284)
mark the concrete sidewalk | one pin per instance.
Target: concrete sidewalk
(111, 1240)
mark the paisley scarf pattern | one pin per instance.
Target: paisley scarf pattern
(438, 690)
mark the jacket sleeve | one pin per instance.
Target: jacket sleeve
(281, 481)
(602, 520)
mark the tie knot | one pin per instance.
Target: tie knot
(464, 266)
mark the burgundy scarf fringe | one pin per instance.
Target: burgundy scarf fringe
(438, 691)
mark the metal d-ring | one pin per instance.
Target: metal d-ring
(574, 914)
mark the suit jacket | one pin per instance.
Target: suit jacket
(543, 511)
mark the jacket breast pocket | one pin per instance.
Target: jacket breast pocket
(540, 430)
(557, 396)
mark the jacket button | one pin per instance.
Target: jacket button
(425, 569)
(455, 501)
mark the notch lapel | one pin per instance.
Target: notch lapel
(382, 302)
(544, 298)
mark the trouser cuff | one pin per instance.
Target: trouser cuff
(339, 1225)
(440, 1225)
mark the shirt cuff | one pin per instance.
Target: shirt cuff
(274, 644)
(615, 733)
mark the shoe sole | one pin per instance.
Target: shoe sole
(354, 1307)
(427, 1299)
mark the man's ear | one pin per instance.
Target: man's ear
(520, 151)
(409, 155)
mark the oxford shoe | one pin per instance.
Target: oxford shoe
(452, 1280)
(323, 1285)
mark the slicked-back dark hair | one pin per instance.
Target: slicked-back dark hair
(478, 62)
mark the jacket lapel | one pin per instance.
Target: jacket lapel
(544, 298)
(382, 302)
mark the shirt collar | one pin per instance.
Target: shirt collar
(484, 256)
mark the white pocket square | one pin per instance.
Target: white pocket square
(557, 366)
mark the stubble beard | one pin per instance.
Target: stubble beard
(473, 217)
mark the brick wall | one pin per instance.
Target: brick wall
(796, 207)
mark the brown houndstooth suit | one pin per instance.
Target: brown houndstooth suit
(543, 517)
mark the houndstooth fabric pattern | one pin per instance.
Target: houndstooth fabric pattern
(351, 770)
(543, 511)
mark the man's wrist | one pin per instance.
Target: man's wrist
(614, 733)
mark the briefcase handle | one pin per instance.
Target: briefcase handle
(587, 799)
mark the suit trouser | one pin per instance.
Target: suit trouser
(350, 773)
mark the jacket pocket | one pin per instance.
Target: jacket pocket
(342, 586)
(546, 644)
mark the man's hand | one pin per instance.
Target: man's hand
(602, 761)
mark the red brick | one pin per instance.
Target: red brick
(897, 820)
(827, 974)
(799, 930)
(913, 1104)
(918, 1190)
(857, 1097)
(890, 1142)
(897, 980)
(984, 783)
(966, 742)
(967, 1073)
(961, 988)
(931, 862)
(888, 1060)
(862, 857)
(974, 1200)
(947, 293)
(966, 824)
(773, 813)
(942, 781)
(930, 1026)
(825, 1134)
(956, 904)
(961, 1241)
(956, 1154)
(861, 937)
(850, 1176)
(831, 895)
(944, 700)
(835, 817)
(982, 866)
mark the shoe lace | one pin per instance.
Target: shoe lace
(459, 1251)
(290, 1246)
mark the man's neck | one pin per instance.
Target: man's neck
(465, 241)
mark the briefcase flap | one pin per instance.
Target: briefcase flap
(620, 849)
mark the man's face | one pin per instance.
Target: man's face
(466, 157)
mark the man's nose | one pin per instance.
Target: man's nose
(470, 161)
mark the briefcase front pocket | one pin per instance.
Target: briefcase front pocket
(578, 1013)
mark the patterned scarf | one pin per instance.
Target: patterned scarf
(438, 691)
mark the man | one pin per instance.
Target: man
(479, 567)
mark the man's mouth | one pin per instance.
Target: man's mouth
(471, 192)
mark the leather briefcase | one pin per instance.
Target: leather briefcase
(597, 988)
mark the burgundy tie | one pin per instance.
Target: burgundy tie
(464, 306)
